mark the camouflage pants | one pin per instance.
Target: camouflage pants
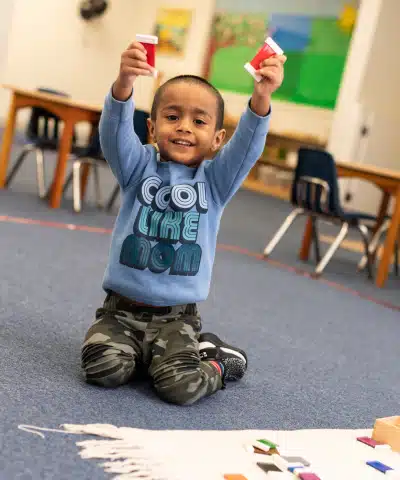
(126, 338)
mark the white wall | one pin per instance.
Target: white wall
(6, 11)
(6, 14)
(348, 113)
(382, 77)
(50, 45)
(370, 91)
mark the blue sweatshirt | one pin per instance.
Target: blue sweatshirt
(164, 239)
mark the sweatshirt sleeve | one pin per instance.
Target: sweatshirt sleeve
(232, 164)
(121, 146)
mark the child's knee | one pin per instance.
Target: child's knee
(177, 394)
(108, 365)
(179, 383)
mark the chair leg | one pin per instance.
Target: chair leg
(96, 177)
(317, 249)
(364, 234)
(40, 178)
(17, 165)
(373, 244)
(67, 182)
(113, 197)
(76, 185)
(69, 178)
(332, 249)
(396, 258)
(282, 230)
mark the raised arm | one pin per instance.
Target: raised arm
(235, 160)
(232, 164)
(122, 148)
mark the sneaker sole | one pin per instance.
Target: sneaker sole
(210, 340)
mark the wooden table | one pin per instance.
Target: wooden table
(388, 181)
(70, 112)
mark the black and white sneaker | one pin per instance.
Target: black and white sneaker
(233, 359)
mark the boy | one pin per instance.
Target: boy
(164, 239)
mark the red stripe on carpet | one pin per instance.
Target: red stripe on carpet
(221, 246)
(303, 273)
(63, 226)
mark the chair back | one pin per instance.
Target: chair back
(315, 186)
(44, 126)
(140, 125)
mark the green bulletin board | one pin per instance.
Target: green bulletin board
(316, 47)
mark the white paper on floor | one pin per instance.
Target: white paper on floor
(130, 453)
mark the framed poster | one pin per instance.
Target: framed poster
(172, 26)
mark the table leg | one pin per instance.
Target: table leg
(7, 141)
(382, 211)
(391, 236)
(63, 154)
(380, 218)
(307, 239)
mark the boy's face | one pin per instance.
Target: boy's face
(185, 125)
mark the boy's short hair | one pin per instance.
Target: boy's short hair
(198, 81)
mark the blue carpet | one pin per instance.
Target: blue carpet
(318, 357)
(310, 366)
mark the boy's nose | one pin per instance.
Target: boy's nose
(184, 126)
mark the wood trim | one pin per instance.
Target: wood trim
(231, 122)
(261, 187)
(54, 99)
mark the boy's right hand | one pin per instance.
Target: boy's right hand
(133, 64)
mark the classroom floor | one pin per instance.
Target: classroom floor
(322, 354)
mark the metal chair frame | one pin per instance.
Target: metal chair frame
(317, 191)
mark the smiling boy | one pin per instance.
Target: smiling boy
(164, 239)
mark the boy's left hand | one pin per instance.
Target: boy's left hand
(272, 72)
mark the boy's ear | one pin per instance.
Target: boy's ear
(218, 139)
(151, 128)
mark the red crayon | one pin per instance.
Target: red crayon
(268, 49)
(149, 42)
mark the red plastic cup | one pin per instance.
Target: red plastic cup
(149, 42)
(269, 49)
